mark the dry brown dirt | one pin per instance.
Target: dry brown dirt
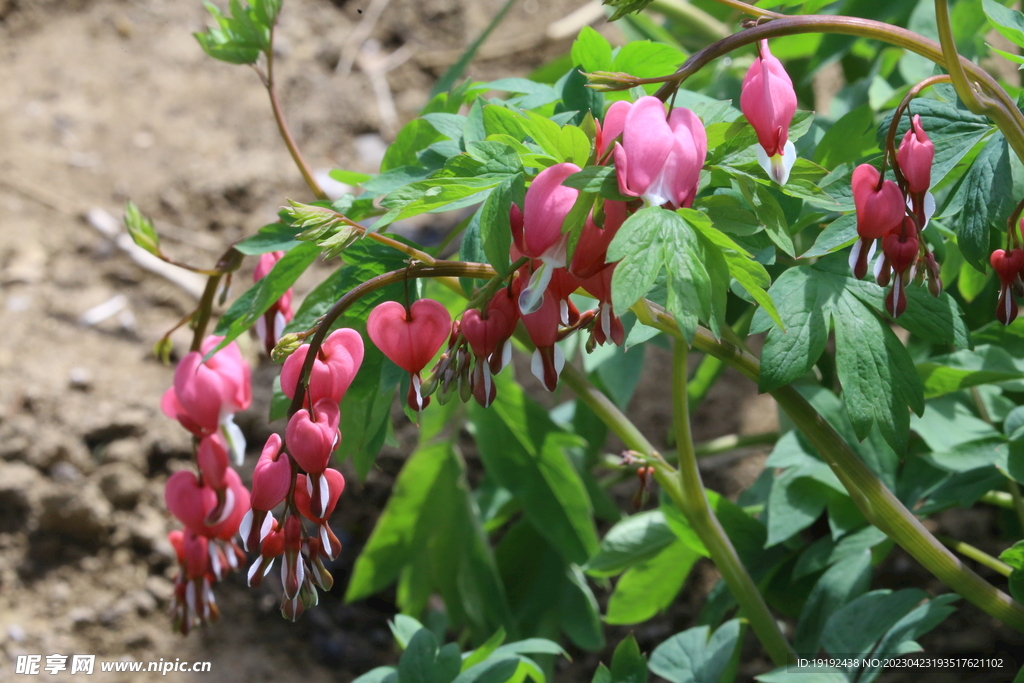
(104, 100)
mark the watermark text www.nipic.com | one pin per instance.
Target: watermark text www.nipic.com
(86, 664)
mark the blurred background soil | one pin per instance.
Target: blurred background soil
(105, 100)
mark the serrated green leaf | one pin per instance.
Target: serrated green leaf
(878, 378)
(695, 655)
(495, 230)
(986, 189)
(273, 237)
(652, 240)
(854, 629)
(592, 51)
(841, 583)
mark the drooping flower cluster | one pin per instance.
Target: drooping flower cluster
(658, 158)
(204, 399)
(296, 473)
(895, 213)
(215, 506)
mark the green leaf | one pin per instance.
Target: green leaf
(414, 137)
(645, 59)
(823, 675)
(939, 379)
(403, 527)
(433, 195)
(874, 368)
(878, 378)
(628, 665)
(804, 299)
(654, 240)
(986, 189)
(495, 230)
(649, 587)
(349, 177)
(922, 619)
(849, 139)
(249, 307)
(240, 37)
(525, 452)
(273, 237)
(381, 674)
(696, 656)
(854, 629)
(592, 51)
(141, 229)
(844, 581)
(416, 664)
(839, 234)
(531, 646)
(632, 540)
(578, 612)
(403, 628)
(769, 212)
(1008, 22)
(484, 651)
(751, 275)
(490, 671)
(1014, 555)
(795, 502)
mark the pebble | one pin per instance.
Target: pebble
(16, 633)
(80, 379)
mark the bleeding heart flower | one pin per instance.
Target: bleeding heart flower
(915, 156)
(410, 339)
(205, 396)
(660, 157)
(537, 232)
(607, 325)
(333, 371)
(271, 480)
(880, 207)
(592, 248)
(336, 485)
(188, 501)
(548, 360)
(901, 250)
(768, 100)
(329, 543)
(880, 210)
(1008, 266)
(614, 122)
(271, 324)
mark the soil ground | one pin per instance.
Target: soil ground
(105, 100)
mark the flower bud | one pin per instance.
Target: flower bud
(915, 156)
(768, 100)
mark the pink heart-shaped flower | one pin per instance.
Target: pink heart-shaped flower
(409, 343)
(188, 501)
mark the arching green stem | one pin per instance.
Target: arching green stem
(878, 504)
(995, 103)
